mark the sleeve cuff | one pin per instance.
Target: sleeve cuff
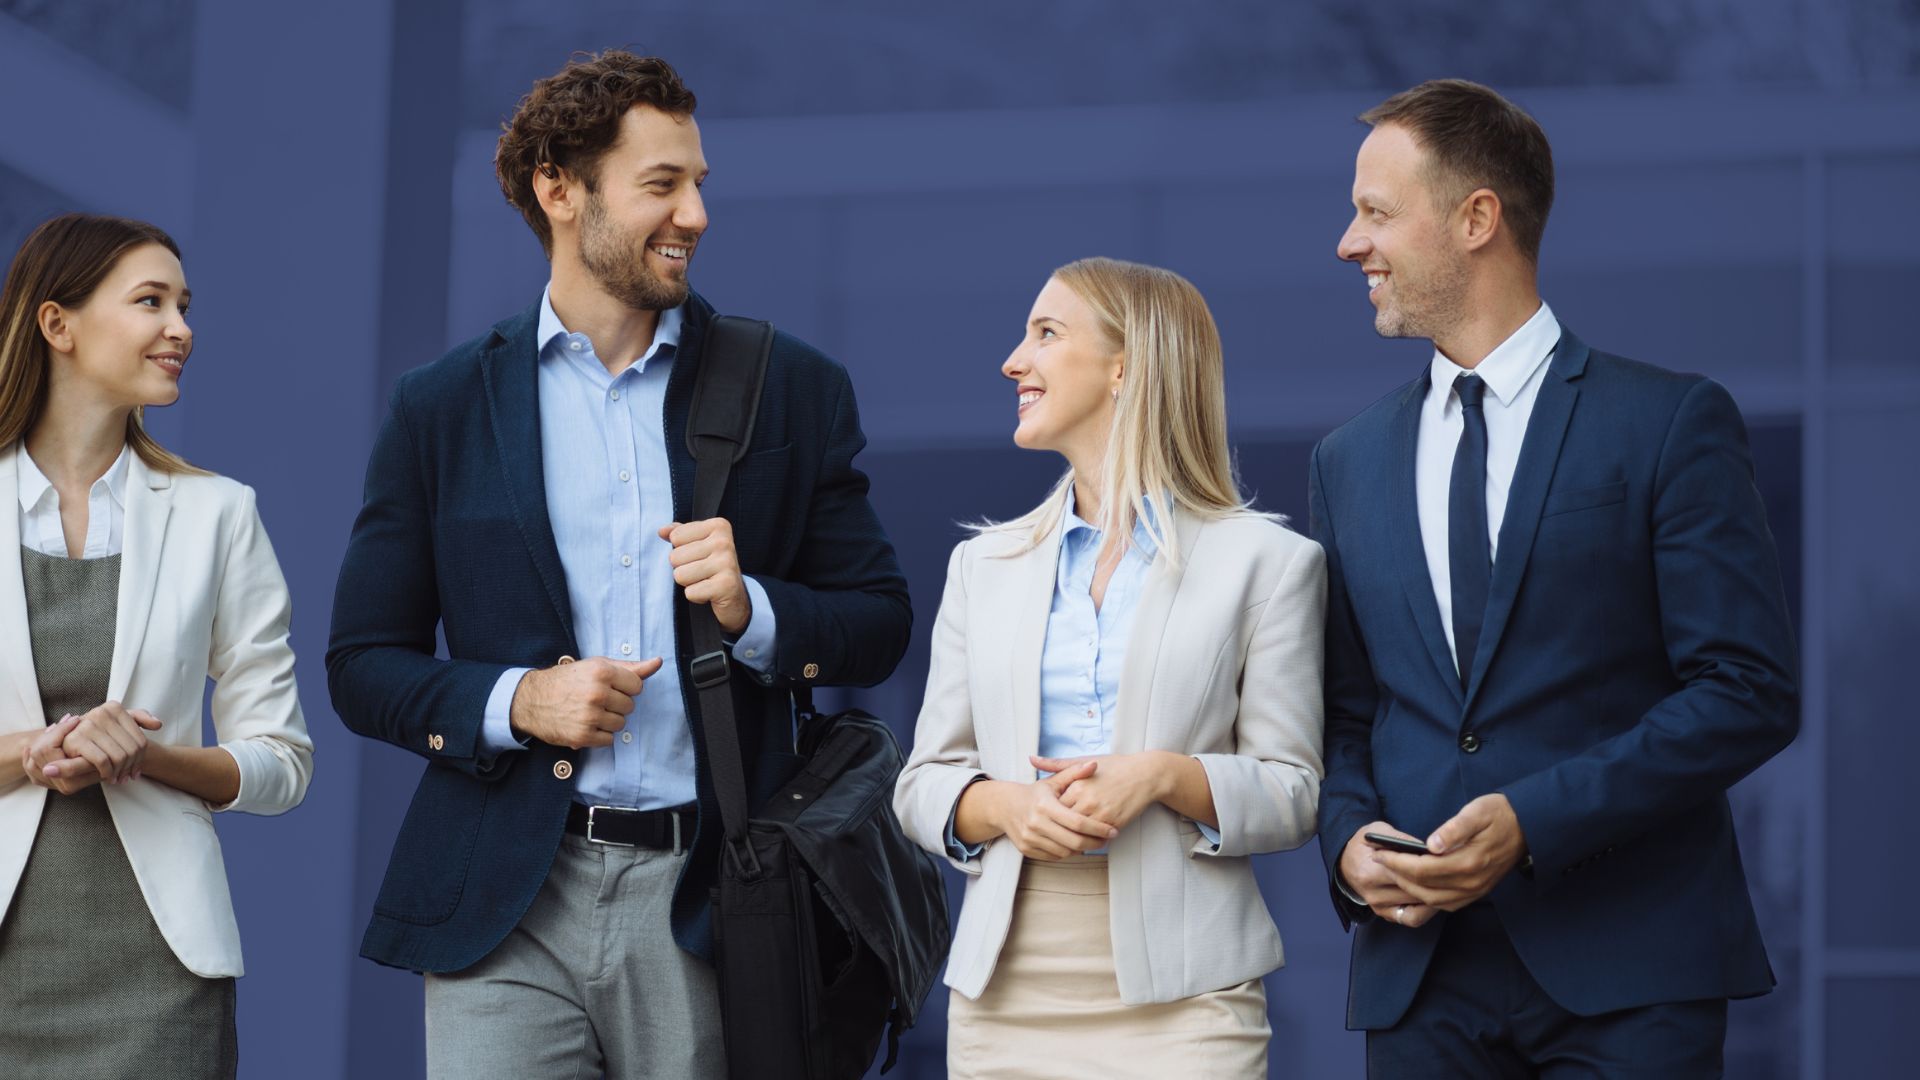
(962, 852)
(240, 792)
(496, 729)
(1211, 834)
(755, 646)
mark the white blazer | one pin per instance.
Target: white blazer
(1223, 663)
(200, 595)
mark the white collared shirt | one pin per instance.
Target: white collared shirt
(40, 509)
(1513, 373)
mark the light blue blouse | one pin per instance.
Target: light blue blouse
(1086, 648)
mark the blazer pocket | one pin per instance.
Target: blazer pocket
(1589, 498)
(427, 872)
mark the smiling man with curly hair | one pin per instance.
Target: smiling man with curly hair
(529, 497)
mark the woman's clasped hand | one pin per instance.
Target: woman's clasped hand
(107, 744)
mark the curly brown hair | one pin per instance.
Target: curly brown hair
(570, 119)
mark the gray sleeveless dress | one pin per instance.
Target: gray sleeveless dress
(88, 986)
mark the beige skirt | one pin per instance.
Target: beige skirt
(1052, 1009)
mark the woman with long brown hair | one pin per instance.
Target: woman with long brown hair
(127, 579)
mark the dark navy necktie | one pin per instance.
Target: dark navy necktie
(1469, 552)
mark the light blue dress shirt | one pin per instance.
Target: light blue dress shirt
(1085, 650)
(609, 490)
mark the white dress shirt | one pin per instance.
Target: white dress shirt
(40, 509)
(1512, 372)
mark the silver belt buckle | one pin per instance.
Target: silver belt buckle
(592, 839)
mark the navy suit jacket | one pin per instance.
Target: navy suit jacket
(454, 534)
(1636, 660)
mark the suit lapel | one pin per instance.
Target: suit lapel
(509, 370)
(1150, 622)
(149, 505)
(1409, 546)
(25, 711)
(1539, 455)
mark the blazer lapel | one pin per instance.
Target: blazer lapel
(1403, 518)
(509, 370)
(1031, 605)
(1150, 622)
(149, 505)
(1539, 455)
(24, 711)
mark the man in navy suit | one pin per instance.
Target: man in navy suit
(528, 496)
(1555, 637)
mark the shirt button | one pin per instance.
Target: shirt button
(614, 394)
(574, 345)
(626, 736)
(626, 649)
(1089, 712)
(626, 560)
(625, 476)
(751, 653)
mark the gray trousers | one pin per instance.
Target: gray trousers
(589, 984)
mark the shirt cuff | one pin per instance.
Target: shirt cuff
(755, 645)
(1212, 834)
(496, 730)
(964, 852)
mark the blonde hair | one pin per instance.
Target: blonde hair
(64, 260)
(1167, 448)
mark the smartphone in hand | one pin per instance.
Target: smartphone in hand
(1395, 843)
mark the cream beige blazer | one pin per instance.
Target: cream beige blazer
(200, 595)
(1223, 663)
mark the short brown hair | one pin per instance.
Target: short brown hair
(1474, 138)
(570, 119)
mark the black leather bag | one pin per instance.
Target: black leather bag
(829, 924)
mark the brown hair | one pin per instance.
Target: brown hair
(569, 120)
(1474, 138)
(64, 261)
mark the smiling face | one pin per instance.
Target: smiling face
(643, 216)
(127, 344)
(1065, 371)
(1403, 239)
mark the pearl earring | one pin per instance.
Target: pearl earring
(1116, 395)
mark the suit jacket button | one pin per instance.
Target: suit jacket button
(436, 741)
(1470, 742)
(562, 770)
(811, 671)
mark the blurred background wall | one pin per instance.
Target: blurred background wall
(1739, 195)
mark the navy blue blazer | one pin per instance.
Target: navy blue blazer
(454, 534)
(1637, 660)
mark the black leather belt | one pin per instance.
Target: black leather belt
(664, 830)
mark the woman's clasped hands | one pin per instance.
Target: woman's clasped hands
(107, 744)
(1081, 807)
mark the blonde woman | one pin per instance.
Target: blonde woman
(1123, 705)
(127, 578)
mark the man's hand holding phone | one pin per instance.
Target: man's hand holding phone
(1373, 884)
(1469, 854)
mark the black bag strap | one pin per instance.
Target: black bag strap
(726, 397)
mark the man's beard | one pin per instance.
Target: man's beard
(619, 263)
(1429, 309)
